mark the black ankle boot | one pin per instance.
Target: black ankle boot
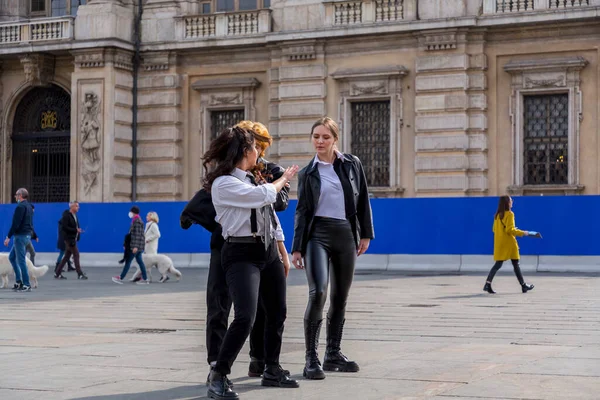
(525, 287)
(312, 369)
(219, 389)
(488, 288)
(275, 376)
(334, 359)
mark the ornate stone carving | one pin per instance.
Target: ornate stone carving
(97, 58)
(234, 99)
(158, 61)
(372, 89)
(89, 59)
(39, 68)
(445, 41)
(553, 82)
(91, 138)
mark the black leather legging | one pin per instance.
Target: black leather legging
(498, 265)
(330, 240)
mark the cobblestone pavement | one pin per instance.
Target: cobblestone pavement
(415, 337)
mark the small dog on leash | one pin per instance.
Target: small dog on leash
(6, 270)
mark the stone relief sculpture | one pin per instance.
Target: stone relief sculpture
(90, 141)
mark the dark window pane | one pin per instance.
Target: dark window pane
(248, 5)
(221, 120)
(38, 5)
(546, 139)
(266, 3)
(205, 8)
(370, 138)
(225, 5)
(75, 5)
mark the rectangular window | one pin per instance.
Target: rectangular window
(221, 120)
(245, 5)
(59, 8)
(205, 8)
(38, 5)
(225, 5)
(546, 139)
(266, 3)
(370, 139)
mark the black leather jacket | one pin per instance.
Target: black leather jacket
(356, 196)
(200, 209)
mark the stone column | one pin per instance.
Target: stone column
(451, 114)
(297, 98)
(101, 119)
(160, 130)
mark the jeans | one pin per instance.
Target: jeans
(17, 258)
(29, 249)
(138, 258)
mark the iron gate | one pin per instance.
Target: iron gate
(41, 145)
(221, 120)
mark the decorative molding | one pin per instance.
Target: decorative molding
(380, 88)
(157, 61)
(358, 73)
(300, 52)
(220, 84)
(546, 76)
(98, 58)
(567, 190)
(39, 68)
(235, 99)
(91, 140)
(440, 41)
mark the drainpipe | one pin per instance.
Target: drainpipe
(136, 65)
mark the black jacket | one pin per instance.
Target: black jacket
(60, 241)
(22, 222)
(356, 196)
(69, 226)
(200, 209)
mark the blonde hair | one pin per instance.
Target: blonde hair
(260, 132)
(153, 216)
(328, 123)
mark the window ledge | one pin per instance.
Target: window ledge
(383, 192)
(545, 189)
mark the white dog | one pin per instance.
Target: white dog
(6, 270)
(163, 263)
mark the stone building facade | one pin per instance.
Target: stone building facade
(438, 98)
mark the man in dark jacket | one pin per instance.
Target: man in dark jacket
(21, 228)
(137, 245)
(200, 210)
(71, 231)
(60, 245)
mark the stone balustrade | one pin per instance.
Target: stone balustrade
(358, 12)
(36, 30)
(513, 6)
(225, 24)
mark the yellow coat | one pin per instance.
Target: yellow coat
(505, 242)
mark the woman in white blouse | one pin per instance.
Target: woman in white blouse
(152, 233)
(249, 256)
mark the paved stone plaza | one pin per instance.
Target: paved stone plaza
(415, 337)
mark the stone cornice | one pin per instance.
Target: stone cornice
(544, 64)
(233, 83)
(98, 58)
(357, 73)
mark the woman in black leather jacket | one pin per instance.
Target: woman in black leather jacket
(324, 231)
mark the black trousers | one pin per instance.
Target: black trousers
(331, 239)
(498, 265)
(253, 273)
(218, 304)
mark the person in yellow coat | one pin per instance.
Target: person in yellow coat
(505, 243)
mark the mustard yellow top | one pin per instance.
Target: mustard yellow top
(505, 242)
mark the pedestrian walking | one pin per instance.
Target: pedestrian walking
(21, 228)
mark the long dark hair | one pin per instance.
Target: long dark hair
(224, 153)
(503, 206)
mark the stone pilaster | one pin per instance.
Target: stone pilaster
(297, 95)
(451, 114)
(101, 120)
(160, 130)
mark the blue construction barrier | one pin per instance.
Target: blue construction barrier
(402, 226)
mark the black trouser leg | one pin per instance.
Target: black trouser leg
(218, 305)
(273, 298)
(257, 335)
(518, 273)
(317, 274)
(493, 271)
(343, 260)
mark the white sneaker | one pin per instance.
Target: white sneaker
(117, 279)
(142, 282)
